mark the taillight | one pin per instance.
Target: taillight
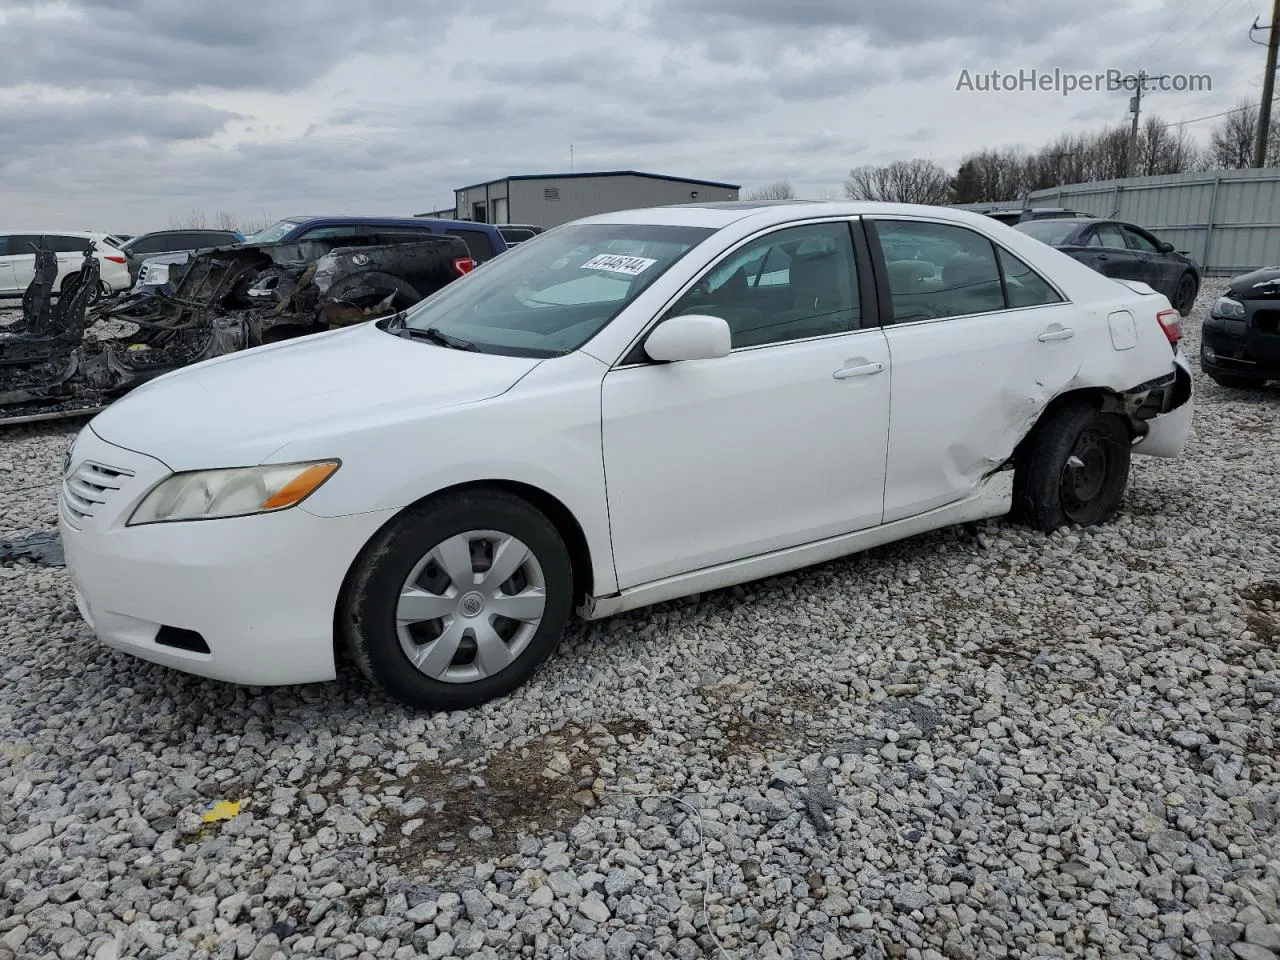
(115, 259)
(1171, 323)
(464, 265)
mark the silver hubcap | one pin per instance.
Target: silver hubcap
(470, 606)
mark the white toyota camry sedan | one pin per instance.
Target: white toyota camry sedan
(623, 410)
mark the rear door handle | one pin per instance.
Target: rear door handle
(1062, 333)
(860, 370)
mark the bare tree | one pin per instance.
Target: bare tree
(903, 181)
(1164, 149)
(827, 193)
(1232, 141)
(777, 190)
(225, 220)
(192, 220)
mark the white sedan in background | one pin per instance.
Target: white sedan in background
(623, 410)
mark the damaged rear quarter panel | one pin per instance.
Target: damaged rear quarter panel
(971, 388)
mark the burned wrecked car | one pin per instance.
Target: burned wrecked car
(56, 360)
(1240, 339)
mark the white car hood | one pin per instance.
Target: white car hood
(238, 409)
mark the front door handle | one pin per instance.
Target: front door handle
(1062, 333)
(860, 370)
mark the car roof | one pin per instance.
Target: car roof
(389, 221)
(1092, 220)
(719, 214)
(157, 233)
(54, 231)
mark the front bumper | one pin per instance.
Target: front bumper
(1243, 348)
(260, 592)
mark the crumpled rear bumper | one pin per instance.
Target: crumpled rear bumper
(1168, 424)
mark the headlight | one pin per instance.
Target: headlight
(1227, 307)
(238, 492)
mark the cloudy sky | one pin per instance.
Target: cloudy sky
(123, 114)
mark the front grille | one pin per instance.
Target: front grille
(89, 487)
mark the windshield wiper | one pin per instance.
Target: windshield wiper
(432, 335)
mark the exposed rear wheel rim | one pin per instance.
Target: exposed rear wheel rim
(1086, 473)
(470, 606)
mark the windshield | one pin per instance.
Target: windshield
(1051, 232)
(272, 233)
(548, 298)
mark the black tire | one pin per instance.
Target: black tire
(368, 607)
(1184, 294)
(102, 291)
(1051, 491)
(1232, 382)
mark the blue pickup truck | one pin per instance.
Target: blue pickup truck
(484, 240)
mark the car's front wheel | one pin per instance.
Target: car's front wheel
(458, 600)
(1074, 468)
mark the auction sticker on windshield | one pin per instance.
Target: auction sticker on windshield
(632, 266)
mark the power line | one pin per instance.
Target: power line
(1093, 115)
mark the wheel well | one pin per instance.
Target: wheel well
(561, 517)
(1100, 397)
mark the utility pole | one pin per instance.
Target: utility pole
(1135, 107)
(1268, 87)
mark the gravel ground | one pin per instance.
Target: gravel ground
(969, 744)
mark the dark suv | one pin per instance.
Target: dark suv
(140, 248)
(484, 240)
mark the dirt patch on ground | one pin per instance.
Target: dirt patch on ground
(453, 814)
(1264, 617)
(1263, 591)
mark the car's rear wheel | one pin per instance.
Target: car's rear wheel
(1236, 383)
(1184, 294)
(1074, 468)
(459, 600)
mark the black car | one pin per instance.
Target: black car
(139, 248)
(1240, 338)
(1016, 215)
(515, 233)
(1124, 251)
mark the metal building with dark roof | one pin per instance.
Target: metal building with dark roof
(550, 199)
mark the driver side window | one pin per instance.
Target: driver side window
(792, 284)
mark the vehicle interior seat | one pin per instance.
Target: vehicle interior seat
(970, 285)
(912, 283)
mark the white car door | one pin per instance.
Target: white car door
(70, 252)
(22, 257)
(979, 343)
(8, 280)
(780, 443)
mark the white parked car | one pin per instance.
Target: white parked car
(639, 406)
(18, 259)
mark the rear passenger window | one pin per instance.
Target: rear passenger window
(477, 242)
(938, 270)
(328, 233)
(1023, 286)
(64, 244)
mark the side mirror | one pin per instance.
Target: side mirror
(1166, 247)
(689, 337)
